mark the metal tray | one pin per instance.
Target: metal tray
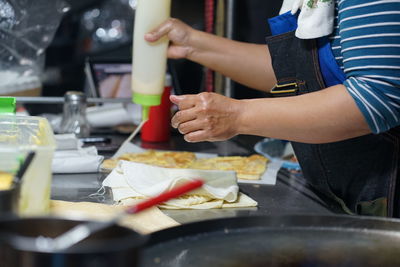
(278, 241)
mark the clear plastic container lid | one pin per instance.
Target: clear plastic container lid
(25, 133)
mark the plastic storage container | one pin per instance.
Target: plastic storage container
(19, 135)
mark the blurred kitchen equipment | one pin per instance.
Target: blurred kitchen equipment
(302, 240)
(95, 140)
(124, 145)
(82, 231)
(116, 246)
(61, 100)
(158, 127)
(149, 60)
(111, 115)
(278, 151)
(8, 193)
(74, 115)
(108, 25)
(8, 200)
(7, 105)
(26, 30)
(10, 181)
(24, 166)
(20, 135)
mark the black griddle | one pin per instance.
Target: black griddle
(277, 241)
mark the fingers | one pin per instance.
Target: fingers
(178, 52)
(204, 117)
(182, 117)
(176, 99)
(160, 31)
(184, 101)
(197, 136)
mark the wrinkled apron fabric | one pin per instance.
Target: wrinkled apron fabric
(359, 175)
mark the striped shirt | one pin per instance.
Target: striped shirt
(366, 45)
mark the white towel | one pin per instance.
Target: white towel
(70, 157)
(315, 19)
(131, 180)
(149, 181)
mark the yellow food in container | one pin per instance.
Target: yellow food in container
(6, 180)
(20, 135)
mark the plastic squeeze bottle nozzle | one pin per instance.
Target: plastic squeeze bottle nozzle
(149, 59)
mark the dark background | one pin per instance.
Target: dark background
(64, 66)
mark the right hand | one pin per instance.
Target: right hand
(178, 33)
(207, 117)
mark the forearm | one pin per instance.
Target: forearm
(248, 64)
(326, 116)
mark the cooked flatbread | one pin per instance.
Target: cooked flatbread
(249, 168)
(167, 159)
(198, 202)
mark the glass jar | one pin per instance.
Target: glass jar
(74, 115)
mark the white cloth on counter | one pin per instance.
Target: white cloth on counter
(70, 157)
(316, 17)
(110, 115)
(67, 142)
(131, 180)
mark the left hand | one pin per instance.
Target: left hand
(206, 117)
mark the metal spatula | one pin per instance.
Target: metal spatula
(82, 231)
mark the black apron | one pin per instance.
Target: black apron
(360, 174)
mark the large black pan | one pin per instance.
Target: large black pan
(113, 247)
(277, 241)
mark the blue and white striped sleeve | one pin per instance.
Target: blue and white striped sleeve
(370, 44)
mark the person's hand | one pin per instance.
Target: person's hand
(178, 33)
(206, 117)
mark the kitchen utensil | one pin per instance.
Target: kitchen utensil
(115, 246)
(22, 134)
(82, 231)
(74, 119)
(8, 200)
(122, 148)
(9, 197)
(303, 240)
(24, 166)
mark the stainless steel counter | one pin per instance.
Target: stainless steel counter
(289, 196)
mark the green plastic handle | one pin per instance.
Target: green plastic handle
(7, 105)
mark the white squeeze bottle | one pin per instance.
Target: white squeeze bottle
(149, 59)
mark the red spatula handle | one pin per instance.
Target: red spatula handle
(173, 193)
